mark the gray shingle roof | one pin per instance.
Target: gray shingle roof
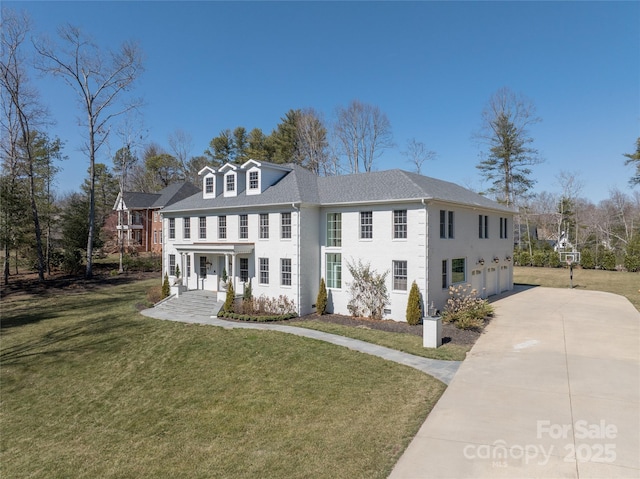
(302, 186)
(175, 192)
(135, 200)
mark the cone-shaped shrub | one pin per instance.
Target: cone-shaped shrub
(414, 311)
(321, 301)
(231, 294)
(166, 289)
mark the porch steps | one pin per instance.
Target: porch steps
(195, 304)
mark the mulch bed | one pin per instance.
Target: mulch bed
(450, 334)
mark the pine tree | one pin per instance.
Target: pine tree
(414, 311)
(321, 301)
(231, 296)
(166, 289)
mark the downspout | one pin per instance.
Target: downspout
(293, 205)
(425, 311)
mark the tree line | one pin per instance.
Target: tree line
(103, 81)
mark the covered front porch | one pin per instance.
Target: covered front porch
(204, 266)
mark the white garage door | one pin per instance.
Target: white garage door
(492, 281)
(504, 278)
(476, 282)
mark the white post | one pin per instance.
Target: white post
(432, 331)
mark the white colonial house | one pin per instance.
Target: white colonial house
(282, 228)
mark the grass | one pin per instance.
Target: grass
(409, 343)
(618, 282)
(90, 388)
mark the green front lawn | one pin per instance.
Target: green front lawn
(90, 388)
(409, 343)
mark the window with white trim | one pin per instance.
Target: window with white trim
(222, 227)
(285, 225)
(172, 265)
(264, 270)
(334, 229)
(172, 228)
(503, 228)
(231, 182)
(400, 224)
(254, 181)
(446, 224)
(366, 225)
(244, 227)
(334, 270)
(264, 225)
(188, 266)
(483, 226)
(285, 271)
(208, 184)
(458, 270)
(186, 226)
(445, 274)
(203, 227)
(400, 275)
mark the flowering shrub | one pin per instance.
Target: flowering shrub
(465, 309)
(368, 291)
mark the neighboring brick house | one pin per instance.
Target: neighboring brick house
(138, 216)
(284, 228)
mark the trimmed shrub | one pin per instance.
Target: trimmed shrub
(321, 300)
(166, 289)
(414, 310)
(231, 296)
(177, 271)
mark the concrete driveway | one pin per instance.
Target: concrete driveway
(552, 389)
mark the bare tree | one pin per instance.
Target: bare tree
(417, 153)
(181, 144)
(99, 78)
(363, 132)
(311, 142)
(24, 113)
(504, 131)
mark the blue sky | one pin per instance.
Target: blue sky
(430, 66)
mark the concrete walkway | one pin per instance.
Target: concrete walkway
(552, 389)
(442, 370)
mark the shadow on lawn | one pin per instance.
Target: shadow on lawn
(82, 336)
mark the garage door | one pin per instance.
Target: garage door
(476, 282)
(504, 278)
(492, 281)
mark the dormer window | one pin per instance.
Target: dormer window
(208, 182)
(231, 182)
(254, 183)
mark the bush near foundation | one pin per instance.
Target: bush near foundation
(464, 309)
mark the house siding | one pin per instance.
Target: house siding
(423, 249)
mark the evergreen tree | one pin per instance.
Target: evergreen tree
(414, 310)
(321, 300)
(229, 300)
(634, 159)
(506, 166)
